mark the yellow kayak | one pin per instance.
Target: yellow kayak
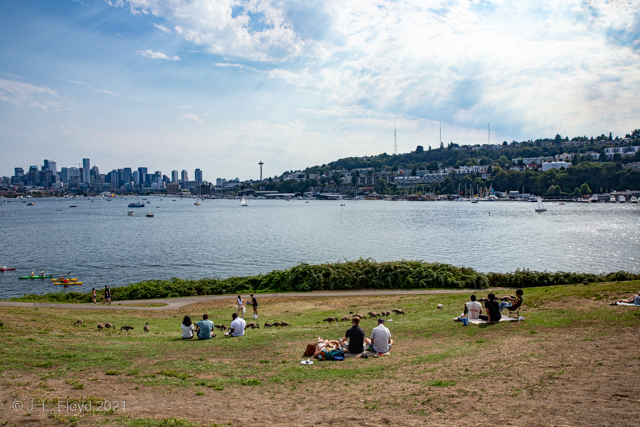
(68, 284)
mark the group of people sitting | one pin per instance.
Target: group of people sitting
(204, 328)
(473, 309)
(354, 343)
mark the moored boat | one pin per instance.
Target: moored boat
(135, 205)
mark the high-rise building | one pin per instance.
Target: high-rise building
(86, 170)
(143, 176)
(185, 176)
(50, 166)
(94, 172)
(136, 177)
(127, 175)
(198, 176)
(18, 172)
(174, 176)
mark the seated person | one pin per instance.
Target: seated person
(493, 310)
(353, 341)
(634, 299)
(473, 309)
(187, 328)
(238, 326)
(514, 304)
(380, 341)
(204, 328)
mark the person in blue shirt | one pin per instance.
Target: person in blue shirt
(204, 328)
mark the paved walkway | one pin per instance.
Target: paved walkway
(174, 303)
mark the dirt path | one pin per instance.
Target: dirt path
(175, 303)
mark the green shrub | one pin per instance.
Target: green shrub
(348, 275)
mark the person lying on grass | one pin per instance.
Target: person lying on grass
(634, 299)
(353, 341)
(380, 341)
(493, 310)
(514, 304)
(204, 328)
(325, 347)
(238, 326)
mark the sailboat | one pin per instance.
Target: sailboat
(539, 206)
(243, 202)
(197, 203)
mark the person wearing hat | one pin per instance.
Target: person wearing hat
(380, 341)
(634, 299)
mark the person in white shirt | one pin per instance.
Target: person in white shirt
(187, 328)
(473, 309)
(238, 326)
(240, 306)
(380, 341)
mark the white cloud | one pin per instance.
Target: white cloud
(192, 116)
(28, 95)
(184, 107)
(162, 28)
(255, 29)
(158, 55)
(108, 92)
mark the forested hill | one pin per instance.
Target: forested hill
(496, 155)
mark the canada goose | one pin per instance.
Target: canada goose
(398, 311)
(253, 325)
(78, 322)
(146, 327)
(267, 325)
(283, 324)
(345, 319)
(126, 328)
(440, 306)
(330, 319)
(109, 325)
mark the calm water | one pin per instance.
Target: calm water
(98, 243)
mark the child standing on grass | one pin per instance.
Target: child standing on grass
(240, 306)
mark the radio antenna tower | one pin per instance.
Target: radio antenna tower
(395, 140)
(440, 133)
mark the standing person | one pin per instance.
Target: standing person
(107, 295)
(187, 328)
(254, 304)
(240, 306)
(93, 295)
(493, 310)
(355, 337)
(204, 328)
(380, 341)
(238, 326)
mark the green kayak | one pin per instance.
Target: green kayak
(35, 277)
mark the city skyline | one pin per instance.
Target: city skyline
(296, 84)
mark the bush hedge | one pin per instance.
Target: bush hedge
(348, 275)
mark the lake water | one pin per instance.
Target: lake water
(101, 245)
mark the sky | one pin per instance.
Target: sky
(223, 84)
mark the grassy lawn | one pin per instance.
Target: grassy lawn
(537, 372)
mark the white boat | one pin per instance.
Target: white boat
(594, 199)
(633, 199)
(243, 202)
(612, 199)
(150, 215)
(621, 199)
(539, 206)
(131, 213)
(197, 203)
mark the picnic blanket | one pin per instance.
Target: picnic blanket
(502, 319)
(626, 303)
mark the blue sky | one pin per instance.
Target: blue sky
(221, 85)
